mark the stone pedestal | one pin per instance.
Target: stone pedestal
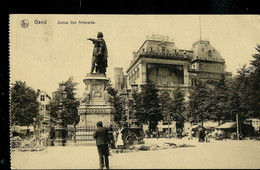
(94, 106)
(60, 134)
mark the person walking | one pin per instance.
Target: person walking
(190, 134)
(207, 136)
(111, 137)
(115, 136)
(180, 133)
(120, 142)
(102, 141)
(158, 135)
(201, 134)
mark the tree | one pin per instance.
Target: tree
(24, 105)
(147, 105)
(244, 97)
(199, 102)
(71, 103)
(255, 84)
(234, 100)
(166, 104)
(117, 102)
(243, 91)
(218, 98)
(178, 106)
(239, 97)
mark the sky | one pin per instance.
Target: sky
(43, 55)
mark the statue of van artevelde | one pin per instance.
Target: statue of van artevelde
(94, 104)
(100, 54)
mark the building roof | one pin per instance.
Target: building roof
(161, 47)
(203, 50)
(42, 92)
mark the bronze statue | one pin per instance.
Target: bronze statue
(100, 54)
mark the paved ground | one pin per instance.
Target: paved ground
(216, 154)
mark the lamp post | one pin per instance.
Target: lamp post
(34, 126)
(200, 116)
(168, 120)
(134, 122)
(125, 95)
(237, 127)
(60, 130)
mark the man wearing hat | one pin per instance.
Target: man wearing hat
(102, 141)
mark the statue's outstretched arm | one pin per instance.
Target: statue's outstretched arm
(91, 39)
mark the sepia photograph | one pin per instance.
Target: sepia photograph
(134, 91)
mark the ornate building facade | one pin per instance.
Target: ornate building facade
(159, 60)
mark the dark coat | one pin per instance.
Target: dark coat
(100, 50)
(101, 136)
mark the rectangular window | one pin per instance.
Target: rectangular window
(47, 107)
(42, 97)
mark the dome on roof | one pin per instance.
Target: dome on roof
(204, 51)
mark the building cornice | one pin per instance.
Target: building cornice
(157, 56)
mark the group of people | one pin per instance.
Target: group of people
(219, 134)
(203, 134)
(115, 138)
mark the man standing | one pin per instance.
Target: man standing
(102, 140)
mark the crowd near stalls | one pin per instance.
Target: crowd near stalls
(224, 130)
(27, 137)
(129, 135)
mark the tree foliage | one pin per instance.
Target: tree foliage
(147, 105)
(174, 108)
(218, 99)
(255, 84)
(166, 102)
(24, 105)
(178, 106)
(71, 103)
(118, 103)
(199, 102)
(244, 91)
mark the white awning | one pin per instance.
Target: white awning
(227, 125)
